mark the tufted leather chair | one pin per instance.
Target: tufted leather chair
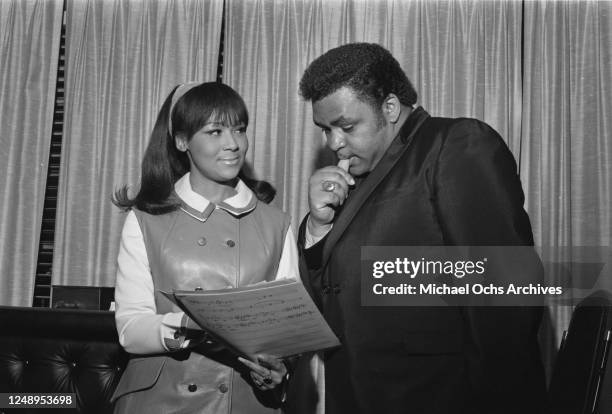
(57, 350)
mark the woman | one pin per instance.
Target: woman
(196, 223)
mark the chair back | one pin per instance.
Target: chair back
(579, 383)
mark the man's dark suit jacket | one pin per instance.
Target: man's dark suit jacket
(441, 182)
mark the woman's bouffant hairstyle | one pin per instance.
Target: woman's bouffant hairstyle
(367, 68)
(163, 164)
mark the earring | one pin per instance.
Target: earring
(181, 146)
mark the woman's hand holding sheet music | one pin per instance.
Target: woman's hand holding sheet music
(268, 372)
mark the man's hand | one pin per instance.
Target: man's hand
(328, 189)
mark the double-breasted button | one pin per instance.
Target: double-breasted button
(336, 289)
(202, 241)
(326, 289)
(230, 243)
(192, 387)
(223, 388)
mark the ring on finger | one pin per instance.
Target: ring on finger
(328, 186)
(268, 378)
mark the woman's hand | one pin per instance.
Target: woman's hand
(268, 372)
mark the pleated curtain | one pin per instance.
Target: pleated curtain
(29, 45)
(566, 149)
(123, 57)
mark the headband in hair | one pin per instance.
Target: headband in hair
(182, 89)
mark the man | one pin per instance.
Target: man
(408, 179)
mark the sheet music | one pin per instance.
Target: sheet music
(277, 318)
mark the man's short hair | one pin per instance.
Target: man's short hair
(367, 68)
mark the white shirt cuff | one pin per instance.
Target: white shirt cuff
(310, 240)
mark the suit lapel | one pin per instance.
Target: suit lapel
(353, 204)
